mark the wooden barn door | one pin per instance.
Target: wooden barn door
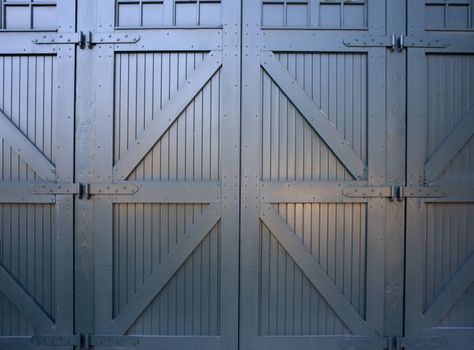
(440, 122)
(313, 156)
(166, 174)
(36, 171)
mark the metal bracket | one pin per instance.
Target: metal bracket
(111, 188)
(111, 38)
(420, 42)
(59, 188)
(83, 341)
(422, 192)
(59, 38)
(398, 343)
(84, 189)
(360, 343)
(392, 42)
(372, 41)
(369, 192)
(110, 340)
(391, 192)
(91, 40)
(430, 342)
(56, 340)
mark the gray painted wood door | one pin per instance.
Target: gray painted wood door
(167, 128)
(238, 172)
(440, 124)
(312, 259)
(36, 154)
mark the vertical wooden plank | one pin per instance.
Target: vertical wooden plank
(376, 176)
(266, 127)
(265, 270)
(206, 133)
(197, 284)
(331, 257)
(103, 222)
(347, 252)
(85, 152)
(198, 141)
(63, 84)
(215, 280)
(250, 155)
(395, 175)
(230, 112)
(281, 287)
(416, 209)
(14, 267)
(356, 258)
(131, 98)
(216, 115)
(204, 315)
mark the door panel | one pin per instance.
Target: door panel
(36, 152)
(192, 251)
(167, 130)
(440, 133)
(311, 257)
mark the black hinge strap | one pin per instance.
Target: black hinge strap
(60, 38)
(393, 41)
(391, 192)
(84, 341)
(111, 340)
(365, 343)
(91, 40)
(425, 342)
(372, 41)
(57, 340)
(55, 188)
(111, 38)
(84, 189)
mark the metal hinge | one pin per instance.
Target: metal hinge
(425, 342)
(372, 41)
(84, 190)
(88, 40)
(61, 38)
(392, 343)
(420, 41)
(394, 42)
(394, 192)
(111, 38)
(365, 343)
(84, 341)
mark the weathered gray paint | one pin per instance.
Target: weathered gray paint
(325, 203)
